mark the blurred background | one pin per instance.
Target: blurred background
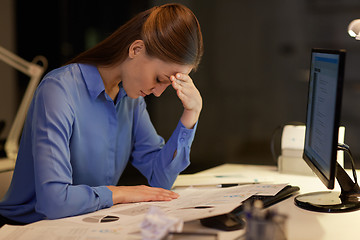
(253, 77)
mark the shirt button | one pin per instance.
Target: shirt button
(184, 134)
(182, 139)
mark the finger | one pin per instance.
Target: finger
(183, 78)
(163, 197)
(174, 82)
(168, 193)
(182, 86)
(176, 85)
(172, 78)
(182, 92)
(181, 95)
(167, 196)
(161, 193)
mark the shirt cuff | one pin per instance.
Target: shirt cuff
(105, 196)
(185, 138)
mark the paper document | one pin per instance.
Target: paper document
(186, 180)
(122, 220)
(9, 232)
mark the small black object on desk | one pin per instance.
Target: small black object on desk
(235, 219)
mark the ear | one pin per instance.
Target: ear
(136, 48)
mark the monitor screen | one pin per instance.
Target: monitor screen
(321, 136)
(323, 112)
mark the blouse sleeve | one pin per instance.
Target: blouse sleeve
(155, 159)
(51, 133)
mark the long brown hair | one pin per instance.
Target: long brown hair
(171, 32)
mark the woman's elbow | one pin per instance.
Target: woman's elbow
(52, 209)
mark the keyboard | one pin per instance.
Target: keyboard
(234, 220)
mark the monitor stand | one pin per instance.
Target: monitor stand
(330, 201)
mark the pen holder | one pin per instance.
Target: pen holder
(265, 225)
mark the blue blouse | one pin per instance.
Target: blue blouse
(76, 141)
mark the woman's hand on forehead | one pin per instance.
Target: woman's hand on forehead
(189, 96)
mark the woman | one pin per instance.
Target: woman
(88, 119)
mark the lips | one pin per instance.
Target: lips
(142, 93)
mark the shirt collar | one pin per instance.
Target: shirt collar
(94, 81)
(122, 92)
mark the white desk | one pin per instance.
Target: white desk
(301, 224)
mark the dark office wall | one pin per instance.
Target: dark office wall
(61, 29)
(254, 72)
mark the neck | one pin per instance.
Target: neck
(111, 79)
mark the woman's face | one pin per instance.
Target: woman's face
(143, 75)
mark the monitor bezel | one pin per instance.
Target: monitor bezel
(328, 182)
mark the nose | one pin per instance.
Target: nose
(159, 89)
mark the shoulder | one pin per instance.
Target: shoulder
(64, 73)
(60, 84)
(65, 78)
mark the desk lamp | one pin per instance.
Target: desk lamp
(34, 71)
(354, 29)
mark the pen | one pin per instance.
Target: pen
(198, 207)
(225, 185)
(194, 233)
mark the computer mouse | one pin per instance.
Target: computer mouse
(225, 222)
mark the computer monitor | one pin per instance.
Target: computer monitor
(321, 135)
